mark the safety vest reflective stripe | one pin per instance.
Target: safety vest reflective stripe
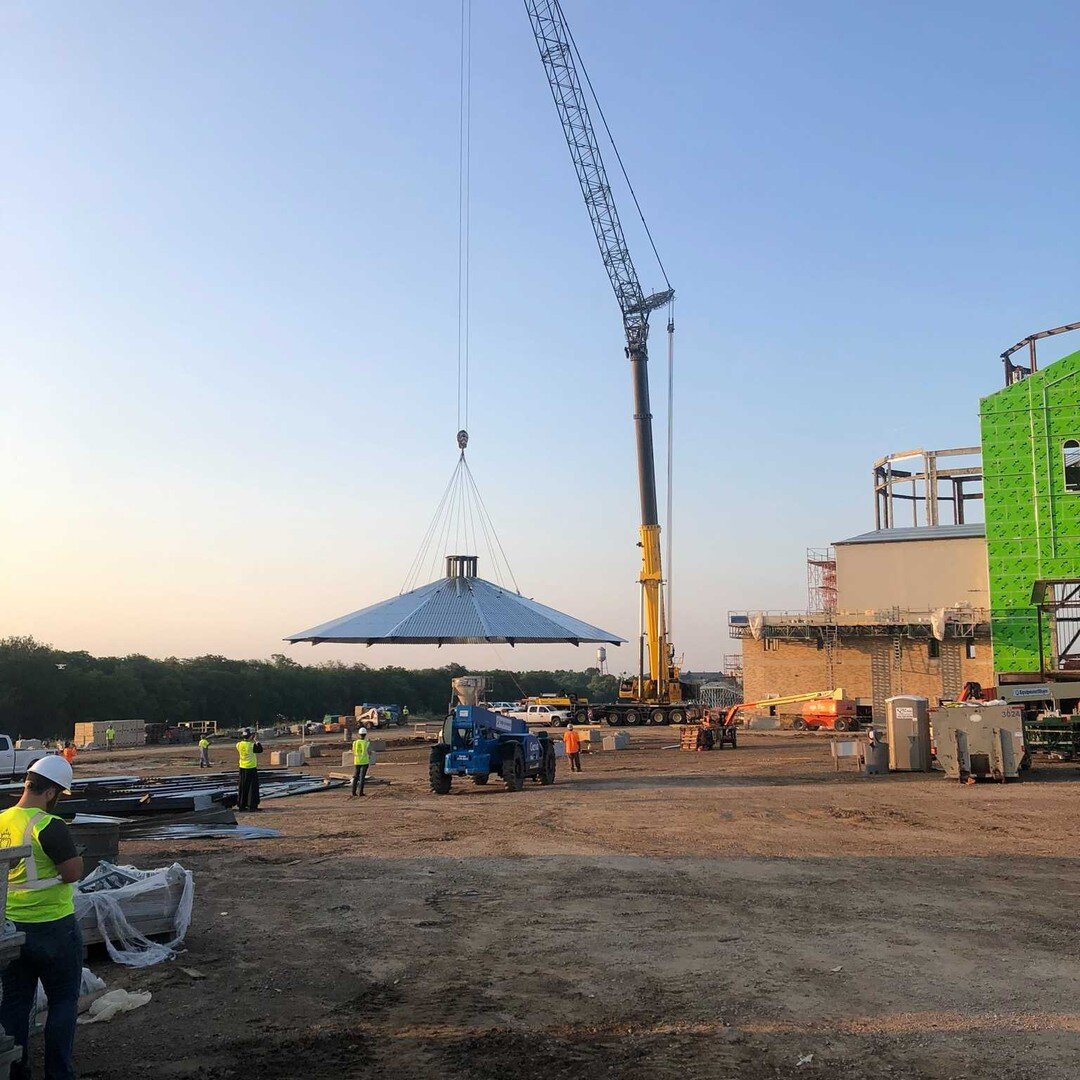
(32, 880)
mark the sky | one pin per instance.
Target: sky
(228, 298)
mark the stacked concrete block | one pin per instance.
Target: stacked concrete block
(619, 741)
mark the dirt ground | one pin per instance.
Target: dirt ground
(744, 914)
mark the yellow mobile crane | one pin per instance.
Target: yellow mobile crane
(657, 694)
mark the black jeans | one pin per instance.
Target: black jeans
(52, 953)
(575, 761)
(358, 777)
(249, 790)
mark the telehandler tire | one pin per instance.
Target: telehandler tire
(513, 770)
(481, 779)
(440, 782)
(547, 769)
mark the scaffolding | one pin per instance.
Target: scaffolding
(827, 628)
(931, 485)
(821, 579)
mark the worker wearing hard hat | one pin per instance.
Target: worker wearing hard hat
(248, 787)
(572, 742)
(361, 755)
(204, 753)
(40, 903)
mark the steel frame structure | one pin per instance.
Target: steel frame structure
(1016, 372)
(1057, 601)
(925, 485)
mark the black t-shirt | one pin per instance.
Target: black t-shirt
(57, 842)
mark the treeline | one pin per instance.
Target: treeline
(44, 691)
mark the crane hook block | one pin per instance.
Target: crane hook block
(462, 439)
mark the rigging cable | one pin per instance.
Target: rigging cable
(464, 158)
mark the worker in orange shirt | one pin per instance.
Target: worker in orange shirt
(572, 742)
(69, 753)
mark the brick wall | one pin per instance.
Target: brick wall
(800, 667)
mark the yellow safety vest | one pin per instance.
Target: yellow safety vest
(361, 752)
(35, 892)
(246, 750)
(109, 734)
(204, 744)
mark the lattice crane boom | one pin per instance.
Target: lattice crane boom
(555, 43)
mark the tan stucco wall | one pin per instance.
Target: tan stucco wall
(915, 575)
(799, 667)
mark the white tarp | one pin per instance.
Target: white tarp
(111, 894)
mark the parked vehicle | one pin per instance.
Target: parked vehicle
(14, 763)
(542, 714)
(376, 715)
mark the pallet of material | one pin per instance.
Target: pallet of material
(150, 907)
(688, 740)
(128, 733)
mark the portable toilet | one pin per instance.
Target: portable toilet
(907, 727)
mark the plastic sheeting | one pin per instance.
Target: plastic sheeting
(110, 889)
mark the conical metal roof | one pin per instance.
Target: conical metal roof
(459, 609)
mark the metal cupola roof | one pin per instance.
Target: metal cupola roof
(458, 609)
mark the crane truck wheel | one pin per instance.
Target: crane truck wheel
(612, 719)
(632, 717)
(513, 770)
(678, 716)
(440, 782)
(658, 716)
(581, 717)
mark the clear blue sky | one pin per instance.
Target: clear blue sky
(228, 296)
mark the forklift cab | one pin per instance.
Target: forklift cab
(467, 725)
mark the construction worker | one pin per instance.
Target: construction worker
(204, 753)
(572, 743)
(248, 788)
(405, 713)
(361, 755)
(68, 753)
(110, 737)
(40, 904)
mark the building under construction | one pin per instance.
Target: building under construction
(933, 597)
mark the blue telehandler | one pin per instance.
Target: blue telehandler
(479, 744)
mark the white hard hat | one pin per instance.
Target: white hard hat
(54, 768)
(362, 731)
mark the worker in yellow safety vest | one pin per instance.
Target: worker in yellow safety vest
(361, 755)
(110, 737)
(40, 903)
(248, 789)
(204, 753)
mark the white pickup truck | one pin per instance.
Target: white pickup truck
(543, 714)
(14, 763)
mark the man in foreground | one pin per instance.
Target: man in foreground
(40, 903)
